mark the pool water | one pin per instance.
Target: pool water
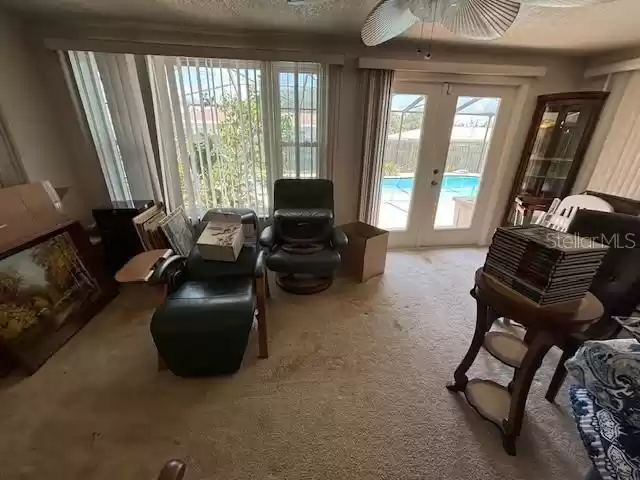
(465, 185)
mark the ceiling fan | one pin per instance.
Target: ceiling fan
(477, 19)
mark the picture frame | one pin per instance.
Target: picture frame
(50, 287)
(179, 231)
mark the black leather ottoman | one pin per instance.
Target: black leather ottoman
(203, 327)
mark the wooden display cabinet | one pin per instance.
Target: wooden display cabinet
(560, 132)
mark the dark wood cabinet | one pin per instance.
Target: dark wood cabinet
(560, 132)
(120, 241)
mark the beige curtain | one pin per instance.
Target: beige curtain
(376, 85)
(329, 111)
(617, 171)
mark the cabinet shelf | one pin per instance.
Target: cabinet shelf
(545, 176)
(551, 159)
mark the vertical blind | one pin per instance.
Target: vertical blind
(110, 94)
(617, 171)
(214, 115)
(226, 129)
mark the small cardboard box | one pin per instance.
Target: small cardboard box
(222, 238)
(366, 253)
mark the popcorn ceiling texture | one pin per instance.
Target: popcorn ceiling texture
(354, 389)
(597, 27)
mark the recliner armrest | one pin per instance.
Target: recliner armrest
(266, 237)
(167, 270)
(260, 268)
(339, 239)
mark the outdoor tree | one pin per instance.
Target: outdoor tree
(408, 121)
(230, 159)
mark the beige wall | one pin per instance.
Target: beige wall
(616, 87)
(31, 117)
(563, 74)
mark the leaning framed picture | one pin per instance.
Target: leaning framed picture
(179, 231)
(50, 287)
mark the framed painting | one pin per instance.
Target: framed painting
(179, 231)
(49, 288)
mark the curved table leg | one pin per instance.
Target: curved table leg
(538, 348)
(484, 319)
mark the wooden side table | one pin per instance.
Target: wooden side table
(504, 406)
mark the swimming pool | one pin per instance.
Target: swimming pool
(462, 184)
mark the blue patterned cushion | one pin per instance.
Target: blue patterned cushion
(610, 371)
(613, 447)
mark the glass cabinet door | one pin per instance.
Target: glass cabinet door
(559, 134)
(558, 138)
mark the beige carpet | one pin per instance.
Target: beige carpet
(353, 389)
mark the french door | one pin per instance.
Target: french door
(441, 152)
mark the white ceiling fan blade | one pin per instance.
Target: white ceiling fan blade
(562, 3)
(387, 20)
(481, 19)
(429, 10)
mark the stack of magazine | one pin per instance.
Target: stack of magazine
(544, 265)
(147, 224)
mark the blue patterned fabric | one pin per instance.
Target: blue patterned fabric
(614, 447)
(610, 371)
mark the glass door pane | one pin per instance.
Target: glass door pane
(471, 134)
(557, 140)
(401, 156)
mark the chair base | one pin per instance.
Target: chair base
(303, 283)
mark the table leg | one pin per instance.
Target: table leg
(491, 318)
(536, 351)
(263, 347)
(483, 322)
(559, 375)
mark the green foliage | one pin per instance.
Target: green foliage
(390, 170)
(230, 161)
(224, 159)
(410, 121)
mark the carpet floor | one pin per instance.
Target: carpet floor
(354, 388)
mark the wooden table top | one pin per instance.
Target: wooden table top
(140, 267)
(507, 302)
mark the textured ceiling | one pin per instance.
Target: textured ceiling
(594, 28)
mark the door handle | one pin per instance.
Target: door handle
(433, 183)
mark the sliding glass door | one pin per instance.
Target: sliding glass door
(443, 144)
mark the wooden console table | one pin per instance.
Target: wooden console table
(504, 406)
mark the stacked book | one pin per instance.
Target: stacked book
(545, 265)
(148, 226)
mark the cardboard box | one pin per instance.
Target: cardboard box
(366, 253)
(222, 238)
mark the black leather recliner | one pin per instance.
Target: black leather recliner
(303, 243)
(203, 326)
(616, 283)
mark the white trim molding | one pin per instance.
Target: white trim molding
(192, 50)
(617, 67)
(459, 68)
